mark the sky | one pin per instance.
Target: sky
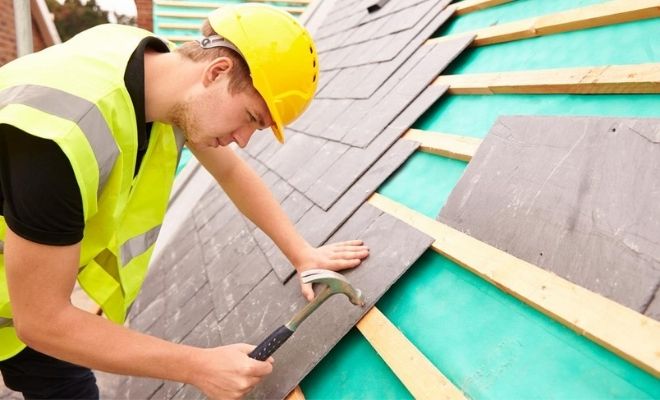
(126, 7)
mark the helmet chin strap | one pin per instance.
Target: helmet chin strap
(217, 41)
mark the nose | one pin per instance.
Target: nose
(242, 137)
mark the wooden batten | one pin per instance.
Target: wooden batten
(639, 78)
(629, 334)
(296, 394)
(414, 370)
(608, 13)
(444, 144)
(468, 6)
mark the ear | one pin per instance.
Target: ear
(216, 69)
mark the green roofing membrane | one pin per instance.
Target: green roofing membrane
(448, 114)
(628, 43)
(488, 343)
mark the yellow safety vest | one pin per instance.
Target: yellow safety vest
(74, 94)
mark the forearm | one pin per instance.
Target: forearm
(85, 339)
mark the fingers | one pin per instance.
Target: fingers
(341, 264)
(256, 368)
(355, 245)
(349, 243)
(349, 255)
(307, 291)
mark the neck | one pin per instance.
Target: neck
(167, 76)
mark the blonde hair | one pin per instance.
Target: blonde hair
(239, 76)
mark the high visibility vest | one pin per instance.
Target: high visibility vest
(74, 94)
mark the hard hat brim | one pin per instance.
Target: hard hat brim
(260, 83)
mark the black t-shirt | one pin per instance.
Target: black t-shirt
(39, 194)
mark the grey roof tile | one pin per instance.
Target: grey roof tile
(333, 59)
(580, 207)
(263, 308)
(336, 110)
(271, 148)
(369, 31)
(653, 309)
(316, 226)
(215, 242)
(189, 392)
(407, 89)
(184, 319)
(278, 187)
(418, 107)
(394, 247)
(325, 79)
(317, 165)
(234, 286)
(166, 391)
(137, 387)
(259, 141)
(295, 205)
(206, 334)
(338, 178)
(279, 264)
(345, 122)
(431, 22)
(315, 111)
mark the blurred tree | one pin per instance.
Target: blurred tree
(125, 19)
(72, 16)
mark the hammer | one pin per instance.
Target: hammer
(335, 283)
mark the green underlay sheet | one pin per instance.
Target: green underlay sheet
(448, 115)
(488, 343)
(629, 43)
(353, 370)
(428, 181)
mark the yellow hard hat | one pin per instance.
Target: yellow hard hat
(280, 53)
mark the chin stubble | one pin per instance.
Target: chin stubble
(180, 116)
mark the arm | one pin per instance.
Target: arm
(246, 189)
(40, 280)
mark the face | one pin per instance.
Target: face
(211, 116)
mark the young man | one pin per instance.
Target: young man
(88, 149)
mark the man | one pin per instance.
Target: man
(87, 158)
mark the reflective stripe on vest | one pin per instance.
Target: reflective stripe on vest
(138, 245)
(67, 106)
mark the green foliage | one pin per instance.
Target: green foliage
(72, 16)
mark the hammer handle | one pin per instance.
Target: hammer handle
(271, 344)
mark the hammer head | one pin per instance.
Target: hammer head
(337, 283)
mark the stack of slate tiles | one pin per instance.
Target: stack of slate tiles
(222, 281)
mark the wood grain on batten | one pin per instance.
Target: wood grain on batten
(608, 13)
(620, 79)
(296, 394)
(629, 334)
(422, 379)
(468, 6)
(444, 144)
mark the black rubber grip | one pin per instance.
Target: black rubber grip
(271, 344)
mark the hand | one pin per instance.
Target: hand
(334, 256)
(227, 372)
